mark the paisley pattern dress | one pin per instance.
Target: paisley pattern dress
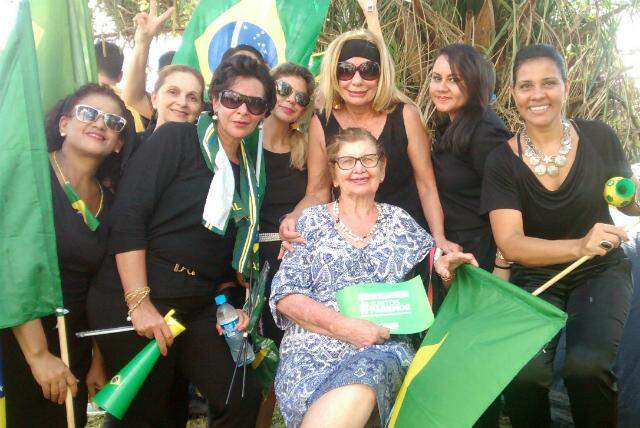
(311, 364)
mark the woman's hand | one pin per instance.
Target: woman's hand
(243, 322)
(363, 333)
(97, 375)
(148, 322)
(53, 376)
(599, 233)
(446, 245)
(289, 234)
(148, 25)
(447, 264)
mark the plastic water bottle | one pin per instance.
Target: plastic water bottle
(227, 318)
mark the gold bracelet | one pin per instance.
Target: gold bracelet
(136, 292)
(135, 306)
(448, 279)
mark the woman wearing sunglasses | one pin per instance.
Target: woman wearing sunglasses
(188, 198)
(85, 133)
(285, 156)
(358, 89)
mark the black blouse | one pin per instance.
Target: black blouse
(80, 251)
(459, 177)
(159, 209)
(399, 185)
(570, 211)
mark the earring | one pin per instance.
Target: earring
(214, 115)
(62, 134)
(295, 126)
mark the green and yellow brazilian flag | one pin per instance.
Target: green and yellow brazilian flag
(282, 30)
(486, 330)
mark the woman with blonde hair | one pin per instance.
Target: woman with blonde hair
(285, 156)
(357, 84)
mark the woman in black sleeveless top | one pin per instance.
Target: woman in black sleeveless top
(82, 145)
(285, 153)
(358, 89)
(543, 193)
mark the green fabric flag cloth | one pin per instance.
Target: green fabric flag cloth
(64, 43)
(282, 30)
(29, 275)
(485, 332)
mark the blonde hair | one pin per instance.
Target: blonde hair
(387, 93)
(298, 136)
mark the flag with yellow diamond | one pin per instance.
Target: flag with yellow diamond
(486, 330)
(281, 30)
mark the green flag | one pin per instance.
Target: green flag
(64, 42)
(29, 276)
(486, 330)
(282, 30)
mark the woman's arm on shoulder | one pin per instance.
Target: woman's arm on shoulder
(419, 151)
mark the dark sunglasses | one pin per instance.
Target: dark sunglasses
(369, 70)
(284, 90)
(232, 100)
(85, 113)
(349, 162)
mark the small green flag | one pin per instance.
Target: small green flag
(485, 332)
(282, 30)
(29, 275)
(64, 43)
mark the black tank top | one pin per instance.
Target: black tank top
(399, 185)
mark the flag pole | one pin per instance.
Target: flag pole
(64, 355)
(566, 271)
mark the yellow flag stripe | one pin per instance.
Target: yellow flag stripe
(422, 358)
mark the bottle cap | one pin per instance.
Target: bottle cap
(221, 299)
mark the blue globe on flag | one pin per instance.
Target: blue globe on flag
(242, 33)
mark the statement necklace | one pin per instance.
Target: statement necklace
(543, 164)
(77, 203)
(348, 232)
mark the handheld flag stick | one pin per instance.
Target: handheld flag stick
(566, 271)
(64, 355)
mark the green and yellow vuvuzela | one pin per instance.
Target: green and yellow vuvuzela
(29, 274)
(486, 330)
(64, 43)
(117, 395)
(282, 30)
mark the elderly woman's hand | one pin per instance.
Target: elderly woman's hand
(289, 234)
(362, 333)
(447, 264)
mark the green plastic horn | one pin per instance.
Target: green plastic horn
(116, 397)
(619, 191)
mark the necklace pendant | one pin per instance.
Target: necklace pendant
(560, 160)
(540, 169)
(534, 161)
(552, 170)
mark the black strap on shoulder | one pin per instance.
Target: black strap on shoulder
(519, 145)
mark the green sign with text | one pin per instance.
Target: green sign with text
(402, 307)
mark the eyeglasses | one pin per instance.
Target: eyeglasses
(284, 90)
(349, 162)
(232, 100)
(85, 113)
(369, 70)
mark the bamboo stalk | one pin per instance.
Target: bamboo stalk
(64, 355)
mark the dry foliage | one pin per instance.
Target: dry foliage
(414, 30)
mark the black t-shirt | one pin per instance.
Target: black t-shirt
(399, 185)
(570, 211)
(159, 209)
(80, 251)
(459, 177)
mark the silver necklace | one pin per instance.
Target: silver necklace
(348, 232)
(548, 164)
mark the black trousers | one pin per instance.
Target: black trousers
(597, 300)
(199, 354)
(26, 406)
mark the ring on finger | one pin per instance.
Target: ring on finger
(606, 245)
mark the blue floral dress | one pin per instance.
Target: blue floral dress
(311, 364)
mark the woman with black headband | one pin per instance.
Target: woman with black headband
(358, 89)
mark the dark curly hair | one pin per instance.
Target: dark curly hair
(243, 66)
(110, 170)
(243, 48)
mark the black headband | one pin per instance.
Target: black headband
(361, 48)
